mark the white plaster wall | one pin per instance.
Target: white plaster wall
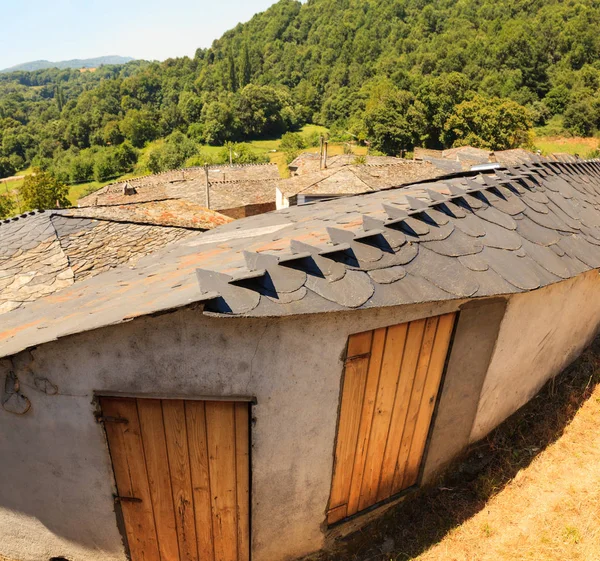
(280, 200)
(57, 483)
(542, 332)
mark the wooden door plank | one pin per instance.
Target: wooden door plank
(432, 385)
(414, 401)
(220, 422)
(128, 460)
(366, 420)
(408, 369)
(157, 465)
(242, 463)
(355, 375)
(198, 449)
(388, 381)
(359, 344)
(181, 479)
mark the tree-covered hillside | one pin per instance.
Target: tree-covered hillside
(397, 73)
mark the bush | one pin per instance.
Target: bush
(242, 153)
(105, 166)
(173, 153)
(292, 141)
(313, 139)
(581, 118)
(42, 190)
(7, 206)
(81, 169)
(6, 168)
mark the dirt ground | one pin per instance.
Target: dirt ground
(530, 491)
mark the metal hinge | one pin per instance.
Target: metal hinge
(126, 499)
(103, 419)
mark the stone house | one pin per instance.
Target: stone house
(235, 190)
(260, 388)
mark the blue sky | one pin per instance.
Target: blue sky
(151, 29)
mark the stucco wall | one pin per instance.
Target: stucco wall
(57, 482)
(58, 501)
(542, 332)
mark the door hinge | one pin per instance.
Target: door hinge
(103, 419)
(126, 499)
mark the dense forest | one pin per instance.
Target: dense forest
(395, 73)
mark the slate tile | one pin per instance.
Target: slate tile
(499, 237)
(493, 215)
(535, 233)
(388, 275)
(444, 272)
(578, 247)
(455, 245)
(511, 268)
(352, 291)
(408, 290)
(470, 225)
(474, 262)
(546, 258)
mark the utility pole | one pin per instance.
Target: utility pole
(207, 187)
(321, 153)
(230, 155)
(325, 156)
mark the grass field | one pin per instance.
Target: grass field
(529, 492)
(576, 145)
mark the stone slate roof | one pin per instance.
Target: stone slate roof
(231, 187)
(467, 237)
(357, 179)
(178, 213)
(464, 157)
(44, 252)
(310, 162)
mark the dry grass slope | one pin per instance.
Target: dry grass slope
(530, 491)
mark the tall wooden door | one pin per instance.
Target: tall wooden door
(182, 474)
(391, 380)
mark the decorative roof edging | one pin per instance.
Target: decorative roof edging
(505, 232)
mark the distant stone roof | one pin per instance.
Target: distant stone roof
(309, 162)
(357, 179)
(231, 187)
(467, 237)
(468, 156)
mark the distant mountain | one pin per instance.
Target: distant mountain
(75, 63)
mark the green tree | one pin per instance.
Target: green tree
(233, 82)
(259, 111)
(41, 190)
(217, 123)
(7, 206)
(394, 120)
(6, 168)
(139, 126)
(489, 123)
(581, 118)
(292, 141)
(246, 70)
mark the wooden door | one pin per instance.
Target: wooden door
(182, 473)
(391, 381)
